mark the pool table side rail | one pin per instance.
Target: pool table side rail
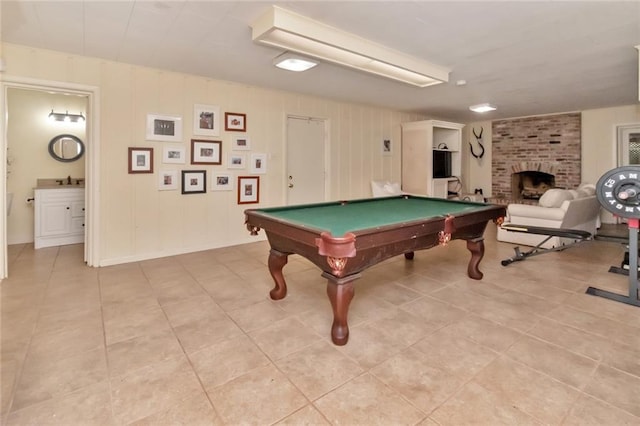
(460, 221)
(372, 245)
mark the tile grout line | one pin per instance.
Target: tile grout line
(28, 348)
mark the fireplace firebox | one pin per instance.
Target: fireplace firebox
(530, 185)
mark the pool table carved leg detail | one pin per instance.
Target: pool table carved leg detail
(337, 264)
(340, 295)
(476, 247)
(277, 260)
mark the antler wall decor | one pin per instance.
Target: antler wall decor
(479, 140)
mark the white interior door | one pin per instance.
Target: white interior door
(628, 149)
(629, 145)
(305, 175)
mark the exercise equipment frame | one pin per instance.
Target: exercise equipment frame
(576, 234)
(618, 191)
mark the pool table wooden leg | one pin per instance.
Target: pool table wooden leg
(277, 260)
(476, 247)
(340, 295)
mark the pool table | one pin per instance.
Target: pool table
(344, 238)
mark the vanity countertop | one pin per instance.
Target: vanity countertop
(62, 183)
(56, 186)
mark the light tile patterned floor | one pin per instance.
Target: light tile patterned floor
(195, 340)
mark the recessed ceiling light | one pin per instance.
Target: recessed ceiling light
(293, 62)
(482, 108)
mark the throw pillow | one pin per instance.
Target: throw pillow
(554, 197)
(589, 188)
(385, 189)
(582, 193)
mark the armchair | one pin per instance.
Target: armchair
(557, 208)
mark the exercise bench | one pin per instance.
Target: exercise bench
(575, 234)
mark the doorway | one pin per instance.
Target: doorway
(91, 94)
(306, 176)
(628, 145)
(36, 118)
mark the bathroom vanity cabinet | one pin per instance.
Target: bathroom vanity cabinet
(59, 216)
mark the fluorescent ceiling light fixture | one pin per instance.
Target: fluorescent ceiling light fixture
(294, 62)
(288, 30)
(482, 108)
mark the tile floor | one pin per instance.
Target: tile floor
(195, 340)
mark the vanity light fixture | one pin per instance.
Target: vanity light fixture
(293, 62)
(288, 30)
(66, 117)
(482, 108)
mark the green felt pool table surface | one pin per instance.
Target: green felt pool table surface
(338, 218)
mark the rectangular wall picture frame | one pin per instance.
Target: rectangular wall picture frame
(173, 155)
(206, 152)
(222, 182)
(167, 180)
(164, 128)
(241, 143)
(248, 189)
(235, 122)
(236, 161)
(194, 181)
(206, 120)
(387, 147)
(140, 160)
(258, 164)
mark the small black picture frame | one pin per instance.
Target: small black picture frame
(194, 181)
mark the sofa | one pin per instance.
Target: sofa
(556, 208)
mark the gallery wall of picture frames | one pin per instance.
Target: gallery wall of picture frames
(168, 128)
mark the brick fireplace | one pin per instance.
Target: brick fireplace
(533, 154)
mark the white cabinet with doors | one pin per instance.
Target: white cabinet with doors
(431, 157)
(59, 216)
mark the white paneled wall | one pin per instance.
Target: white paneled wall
(137, 220)
(477, 171)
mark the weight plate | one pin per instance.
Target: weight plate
(618, 191)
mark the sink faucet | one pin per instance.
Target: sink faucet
(69, 180)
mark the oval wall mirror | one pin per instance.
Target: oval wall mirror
(66, 148)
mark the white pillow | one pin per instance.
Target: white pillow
(554, 197)
(574, 193)
(385, 189)
(589, 188)
(583, 193)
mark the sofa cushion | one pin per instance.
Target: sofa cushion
(554, 197)
(574, 193)
(524, 214)
(589, 188)
(582, 193)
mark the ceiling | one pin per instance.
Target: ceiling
(527, 58)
